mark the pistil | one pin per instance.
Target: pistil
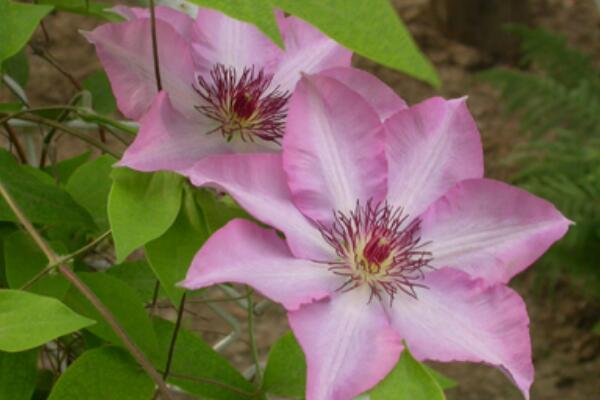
(377, 246)
(245, 106)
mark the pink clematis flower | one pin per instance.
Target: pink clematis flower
(392, 234)
(225, 84)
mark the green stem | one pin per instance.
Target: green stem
(50, 135)
(72, 132)
(83, 113)
(174, 337)
(155, 46)
(253, 347)
(46, 56)
(216, 383)
(154, 297)
(171, 352)
(65, 259)
(15, 141)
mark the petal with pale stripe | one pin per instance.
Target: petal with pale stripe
(167, 140)
(307, 51)
(220, 39)
(258, 184)
(458, 318)
(126, 53)
(430, 147)
(490, 229)
(241, 252)
(332, 149)
(178, 20)
(380, 96)
(348, 343)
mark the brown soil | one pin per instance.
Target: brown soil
(566, 353)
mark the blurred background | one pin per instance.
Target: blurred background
(531, 69)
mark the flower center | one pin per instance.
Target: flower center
(243, 104)
(377, 247)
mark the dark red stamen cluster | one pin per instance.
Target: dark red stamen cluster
(377, 246)
(243, 103)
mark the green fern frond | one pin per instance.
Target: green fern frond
(550, 52)
(558, 105)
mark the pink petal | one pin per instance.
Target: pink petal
(178, 20)
(218, 38)
(306, 50)
(332, 148)
(241, 252)
(348, 343)
(430, 147)
(380, 96)
(167, 140)
(458, 318)
(257, 183)
(126, 53)
(490, 229)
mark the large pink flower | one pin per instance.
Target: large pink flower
(225, 84)
(392, 234)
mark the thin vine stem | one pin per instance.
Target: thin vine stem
(46, 56)
(173, 342)
(50, 135)
(16, 142)
(215, 382)
(155, 46)
(253, 347)
(154, 297)
(83, 113)
(20, 96)
(73, 132)
(88, 293)
(65, 259)
(17, 114)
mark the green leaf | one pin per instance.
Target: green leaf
(218, 210)
(409, 380)
(6, 229)
(28, 320)
(90, 185)
(101, 374)
(136, 274)
(141, 207)
(83, 7)
(62, 171)
(285, 374)
(43, 384)
(102, 98)
(10, 108)
(17, 23)
(257, 12)
(42, 203)
(17, 67)
(123, 302)
(370, 28)
(194, 358)
(18, 372)
(38, 173)
(171, 254)
(24, 260)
